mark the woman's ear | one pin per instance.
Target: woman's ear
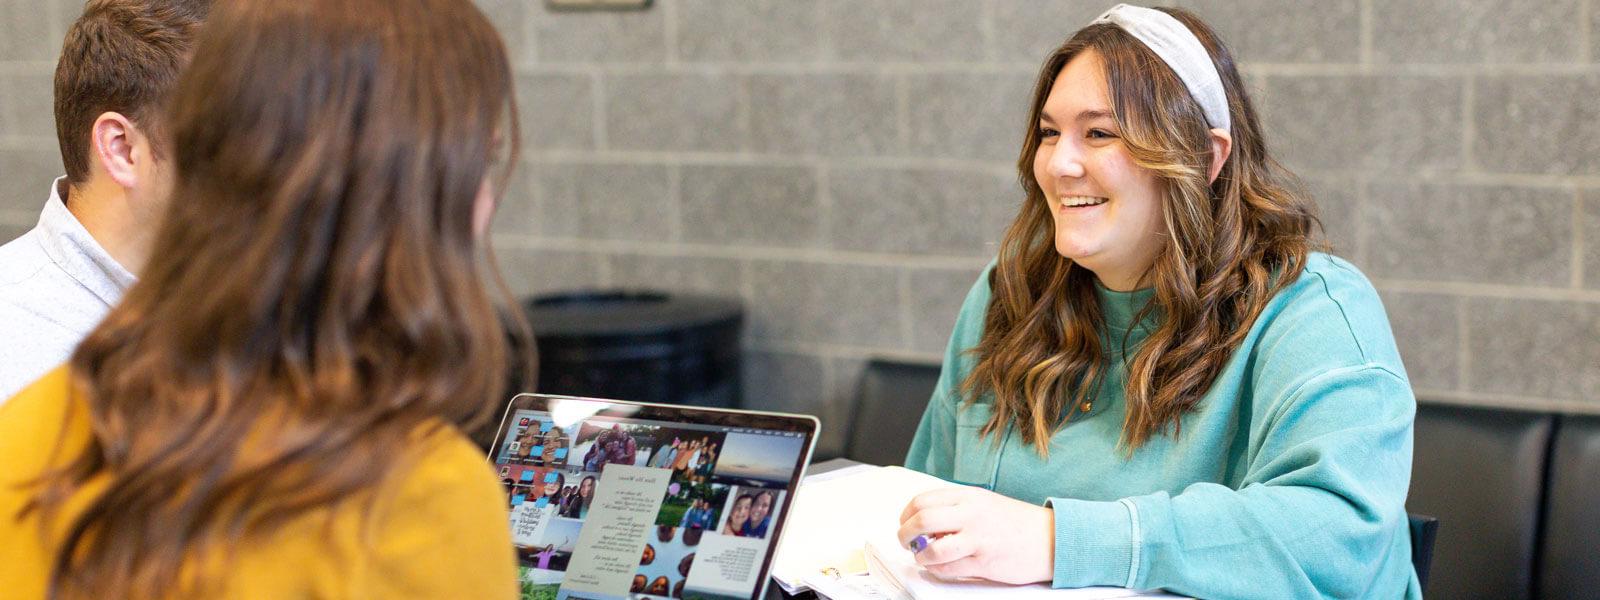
(1221, 148)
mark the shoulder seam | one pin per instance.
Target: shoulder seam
(1344, 315)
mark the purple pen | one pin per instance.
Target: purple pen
(918, 544)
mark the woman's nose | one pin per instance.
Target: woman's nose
(1066, 161)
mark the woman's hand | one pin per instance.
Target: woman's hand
(973, 532)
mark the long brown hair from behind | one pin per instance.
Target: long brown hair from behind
(1231, 245)
(316, 296)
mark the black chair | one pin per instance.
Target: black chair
(1482, 471)
(889, 407)
(1569, 564)
(1423, 529)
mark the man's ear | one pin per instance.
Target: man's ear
(113, 142)
(1221, 148)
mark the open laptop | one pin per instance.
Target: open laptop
(616, 500)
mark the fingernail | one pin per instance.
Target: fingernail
(918, 544)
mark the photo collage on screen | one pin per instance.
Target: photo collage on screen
(697, 501)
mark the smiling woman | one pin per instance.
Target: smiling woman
(1159, 377)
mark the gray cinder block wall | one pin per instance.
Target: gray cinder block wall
(846, 166)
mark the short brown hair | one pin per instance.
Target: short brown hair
(119, 56)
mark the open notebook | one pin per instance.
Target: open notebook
(841, 543)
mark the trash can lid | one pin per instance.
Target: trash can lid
(594, 313)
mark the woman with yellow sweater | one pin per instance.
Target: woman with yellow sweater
(274, 410)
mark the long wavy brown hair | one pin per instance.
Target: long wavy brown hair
(316, 296)
(1231, 244)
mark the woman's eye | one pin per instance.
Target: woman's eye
(1046, 132)
(1100, 134)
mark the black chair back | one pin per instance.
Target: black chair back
(1482, 471)
(1569, 562)
(1423, 528)
(892, 398)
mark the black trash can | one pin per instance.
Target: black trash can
(638, 345)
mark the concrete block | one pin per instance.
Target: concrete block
(615, 201)
(749, 31)
(1477, 31)
(921, 211)
(556, 111)
(1280, 31)
(540, 271)
(594, 36)
(1443, 232)
(1535, 348)
(753, 205)
(1426, 330)
(905, 30)
(28, 172)
(935, 301)
(824, 114)
(673, 112)
(1538, 124)
(1379, 123)
(825, 303)
(27, 105)
(978, 116)
(686, 274)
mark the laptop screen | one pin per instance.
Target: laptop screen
(611, 505)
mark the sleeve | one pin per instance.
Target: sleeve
(933, 447)
(445, 534)
(1322, 505)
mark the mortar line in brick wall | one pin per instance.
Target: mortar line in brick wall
(776, 68)
(732, 251)
(747, 287)
(1464, 348)
(1418, 69)
(765, 160)
(1488, 290)
(1438, 176)
(1469, 125)
(597, 126)
(908, 326)
(19, 218)
(824, 203)
(1366, 33)
(669, 30)
(902, 113)
(675, 200)
(986, 31)
(530, 38)
(826, 53)
(743, 113)
(28, 142)
(1578, 241)
(834, 351)
(1460, 398)
(1586, 30)
(27, 67)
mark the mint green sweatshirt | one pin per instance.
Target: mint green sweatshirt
(1288, 480)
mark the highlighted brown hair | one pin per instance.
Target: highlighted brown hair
(120, 56)
(1231, 245)
(316, 301)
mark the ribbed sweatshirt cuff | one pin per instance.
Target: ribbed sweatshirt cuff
(1096, 543)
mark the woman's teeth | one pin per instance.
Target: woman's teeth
(1082, 201)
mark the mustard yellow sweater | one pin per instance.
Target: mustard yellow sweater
(439, 529)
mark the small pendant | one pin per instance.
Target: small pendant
(1086, 407)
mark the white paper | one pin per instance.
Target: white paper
(833, 517)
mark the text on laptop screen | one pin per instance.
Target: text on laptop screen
(610, 507)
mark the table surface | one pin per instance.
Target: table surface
(775, 591)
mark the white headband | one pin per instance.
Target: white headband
(1181, 50)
